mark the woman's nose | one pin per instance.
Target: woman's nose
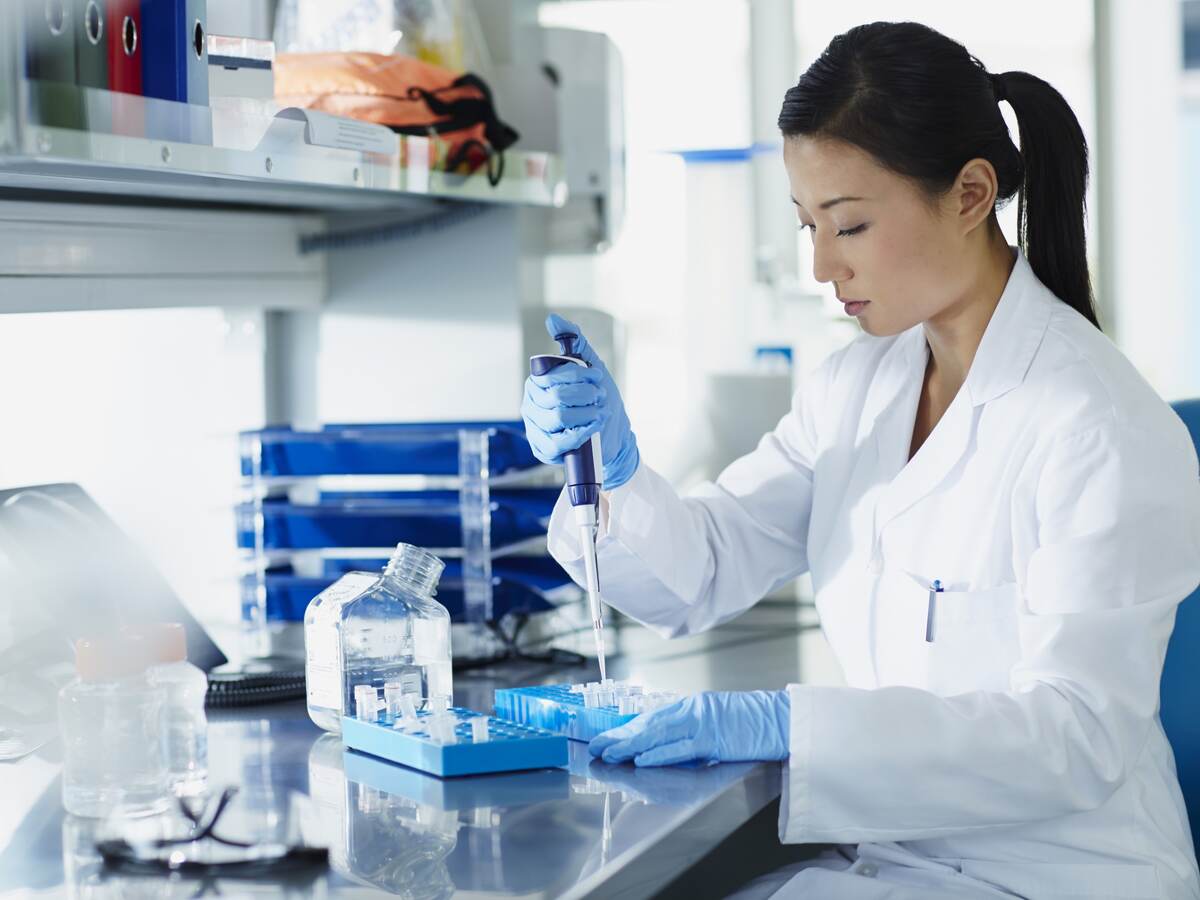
(827, 264)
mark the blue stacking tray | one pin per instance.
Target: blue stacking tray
(511, 747)
(514, 590)
(427, 448)
(554, 708)
(424, 518)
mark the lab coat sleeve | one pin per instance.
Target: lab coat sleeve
(684, 564)
(1116, 550)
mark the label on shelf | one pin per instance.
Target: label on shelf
(325, 130)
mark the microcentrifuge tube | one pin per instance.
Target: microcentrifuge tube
(438, 704)
(392, 692)
(366, 701)
(577, 688)
(406, 714)
(446, 733)
(635, 689)
(625, 705)
(591, 699)
(479, 729)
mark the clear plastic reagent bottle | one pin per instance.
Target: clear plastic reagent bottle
(382, 631)
(185, 724)
(110, 718)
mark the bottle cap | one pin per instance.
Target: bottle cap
(166, 642)
(107, 657)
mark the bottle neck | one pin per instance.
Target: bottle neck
(415, 570)
(403, 581)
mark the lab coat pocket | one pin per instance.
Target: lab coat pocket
(1059, 881)
(975, 642)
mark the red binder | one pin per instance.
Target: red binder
(124, 29)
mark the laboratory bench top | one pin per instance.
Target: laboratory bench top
(590, 830)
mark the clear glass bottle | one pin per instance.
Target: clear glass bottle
(110, 718)
(379, 630)
(185, 726)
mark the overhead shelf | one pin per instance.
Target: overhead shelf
(62, 138)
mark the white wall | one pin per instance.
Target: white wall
(426, 328)
(1143, 175)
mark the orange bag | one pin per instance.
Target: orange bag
(408, 95)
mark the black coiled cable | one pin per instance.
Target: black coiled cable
(226, 690)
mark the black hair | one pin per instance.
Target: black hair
(923, 106)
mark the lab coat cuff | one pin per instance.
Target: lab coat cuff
(795, 797)
(611, 501)
(562, 540)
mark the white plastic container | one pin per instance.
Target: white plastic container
(185, 726)
(383, 631)
(110, 719)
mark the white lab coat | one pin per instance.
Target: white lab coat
(1019, 752)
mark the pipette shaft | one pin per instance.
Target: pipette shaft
(587, 541)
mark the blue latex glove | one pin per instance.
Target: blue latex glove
(711, 727)
(565, 407)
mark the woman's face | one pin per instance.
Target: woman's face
(894, 259)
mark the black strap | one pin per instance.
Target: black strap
(462, 113)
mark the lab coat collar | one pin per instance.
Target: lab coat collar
(1005, 353)
(1012, 337)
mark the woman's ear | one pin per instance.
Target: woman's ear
(974, 194)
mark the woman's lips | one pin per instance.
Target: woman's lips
(854, 307)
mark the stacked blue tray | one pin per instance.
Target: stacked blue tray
(383, 449)
(519, 586)
(425, 518)
(284, 524)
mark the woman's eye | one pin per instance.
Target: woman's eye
(845, 232)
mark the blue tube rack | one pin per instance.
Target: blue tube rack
(554, 708)
(500, 790)
(510, 747)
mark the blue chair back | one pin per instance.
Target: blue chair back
(1180, 689)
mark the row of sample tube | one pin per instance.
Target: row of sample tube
(628, 698)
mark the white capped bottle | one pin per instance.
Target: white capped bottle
(384, 631)
(110, 719)
(185, 726)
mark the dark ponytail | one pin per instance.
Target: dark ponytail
(922, 106)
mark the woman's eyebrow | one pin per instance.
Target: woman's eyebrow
(834, 202)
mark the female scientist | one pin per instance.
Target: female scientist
(999, 515)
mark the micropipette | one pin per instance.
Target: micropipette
(583, 475)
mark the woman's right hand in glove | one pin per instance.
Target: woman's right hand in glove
(567, 405)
